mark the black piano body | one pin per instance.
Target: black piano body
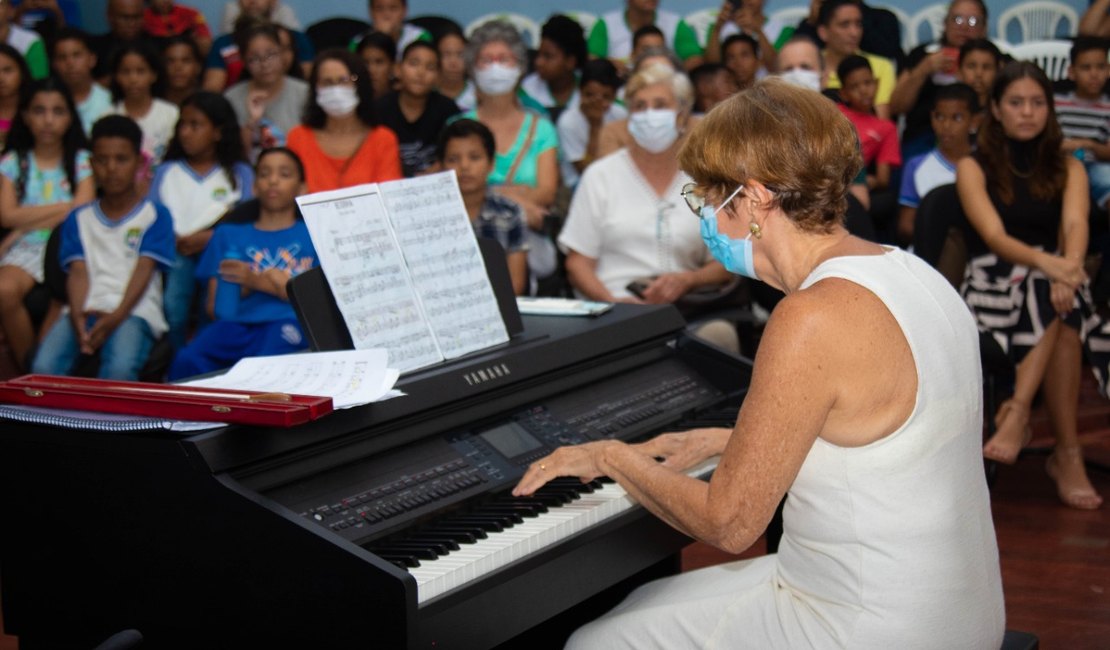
(251, 537)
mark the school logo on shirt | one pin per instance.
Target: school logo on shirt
(133, 238)
(219, 194)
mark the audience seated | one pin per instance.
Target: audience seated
(114, 250)
(559, 60)
(626, 239)
(184, 66)
(954, 116)
(378, 52)
(125, 28)
(878, 138)
(205, 172)
(1027, 201)
(44, 174)
(746, 18)
(47, 16)
(224, 64)
(388, 17)
(137, 75)
(415, 112)
(453, 80)
(740, 55)
(614, 135)
(840, 26)
(15, 81)
(246, 267)
(164, 18)
(930, 65)
(1084, 114)
(526, 166)
(340, 140)
(611, 35)
(28, 43)
(273, 10)
(73, 61)
(713, 84)
(881, 31)
(270, 103)
(579, 127)
(466, 147)
(979, 62)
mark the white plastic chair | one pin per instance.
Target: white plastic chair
(788, 16)
(1038, 20)
(1051, 56)
(930, 18)
(583, 18)
(700, 22)
(528, 28)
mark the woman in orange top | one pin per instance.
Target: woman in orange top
(340, 140)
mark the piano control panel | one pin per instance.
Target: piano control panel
(494, 455)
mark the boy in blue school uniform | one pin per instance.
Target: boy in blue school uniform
(114, 251)
(254, 261)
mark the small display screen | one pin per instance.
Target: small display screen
(511, 440)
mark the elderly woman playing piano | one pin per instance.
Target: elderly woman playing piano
(864, 408)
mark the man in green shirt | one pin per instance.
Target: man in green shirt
(611, 36)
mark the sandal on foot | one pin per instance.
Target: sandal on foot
(1082, 497)
(1006, 451)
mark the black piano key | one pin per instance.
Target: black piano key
(487, 524)
(403, 560)
(452, 543)
(460, 532)
(425, 546)
(415, 550)
(528, 508)
(511, 510)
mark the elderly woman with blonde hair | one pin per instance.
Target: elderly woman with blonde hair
(864, 407)
(628, 237)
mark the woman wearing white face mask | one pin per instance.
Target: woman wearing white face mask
(339, 139)
(525, 167)
(626, 223)
(864, 406)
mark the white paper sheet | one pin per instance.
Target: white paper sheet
(350, 378)
(366, 271)
(437, 240)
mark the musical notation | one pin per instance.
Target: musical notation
(442, 254)
(405, 268)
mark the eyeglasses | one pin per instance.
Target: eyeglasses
(339, 81)
(694, 200)
(263, 59)
(970, 21)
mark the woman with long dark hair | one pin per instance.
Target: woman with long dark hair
(340, 140)
(1027, 201)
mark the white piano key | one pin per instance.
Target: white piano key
(473, 561)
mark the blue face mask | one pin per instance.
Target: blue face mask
(736, 255)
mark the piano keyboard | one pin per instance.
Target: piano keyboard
(454, 552)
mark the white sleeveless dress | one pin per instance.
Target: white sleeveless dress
(889, 545)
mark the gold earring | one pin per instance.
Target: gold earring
(757, 232)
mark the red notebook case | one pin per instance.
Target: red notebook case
(165, 400)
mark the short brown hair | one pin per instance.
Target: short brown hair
(794, 141)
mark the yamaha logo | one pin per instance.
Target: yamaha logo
(486, 374)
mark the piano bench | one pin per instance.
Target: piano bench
(1016, 640)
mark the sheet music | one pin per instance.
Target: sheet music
(350, 377)
(351, 232)
(438, 243)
